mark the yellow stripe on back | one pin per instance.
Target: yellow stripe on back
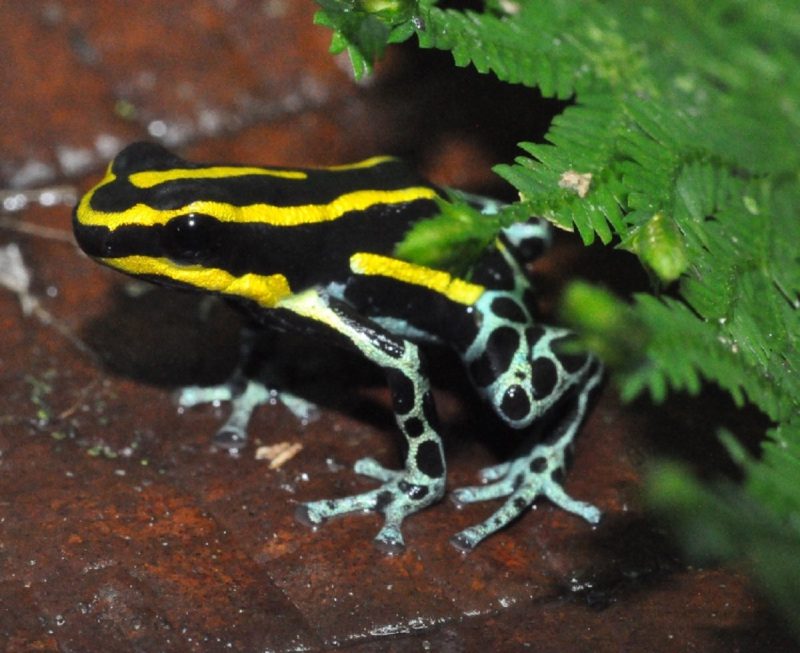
(445, 284)
(281, 216)
(265, 290)
(366, 163)
(150, 178)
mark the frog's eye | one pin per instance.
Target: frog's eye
(188, 238)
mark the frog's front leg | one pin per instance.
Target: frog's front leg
(245, 395)
(422, 481)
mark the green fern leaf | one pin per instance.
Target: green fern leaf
(681, 145)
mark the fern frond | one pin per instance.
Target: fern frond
(723, 521)
(681, 145)
(365, 27)
(691, 348)
(532, 48)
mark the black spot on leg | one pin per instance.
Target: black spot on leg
(429, 410)
(387, 343)
(429, 459)
(520, 504)
(571, 361)
(402, 390)
(545, 377)
(538, 464)
(501, 346)
(527, 248)
(382, 500)
(412, 491)
(413, 427)
(529, 300)
(492, 270)
(515, 404)
(533, 334)
(393, 347)
(532, 248)
(481, 371)
(508, 309)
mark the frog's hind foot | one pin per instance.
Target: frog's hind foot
(398, 497)
(522, 481)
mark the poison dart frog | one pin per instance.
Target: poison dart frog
(312, 250)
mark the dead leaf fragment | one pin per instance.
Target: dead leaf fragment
(278, 453)
(579, 182)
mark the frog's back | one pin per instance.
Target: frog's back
(302, 224)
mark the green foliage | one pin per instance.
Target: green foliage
(458, 235)
(607, 326)
(753, 525)
(365, 27)
(681, 146)
(658, 243)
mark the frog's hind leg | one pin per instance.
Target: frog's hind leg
(422, 481)
(532, 475)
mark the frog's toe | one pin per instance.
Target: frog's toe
(494, 473)
(587, 511)
(306, 517)
(230, 437)
(475, 493)
(195, 395)
(467, 539)
(517, 503)
(373, 469)
(527, 479)
(395, 499)
(389, 539)
(316, 513)
(302, 409)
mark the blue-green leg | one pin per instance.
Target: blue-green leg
(245, 395)
(530, 476)
(422, 481)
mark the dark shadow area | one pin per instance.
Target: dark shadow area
(764, 634)
(169, 338)
(685, 428)
(636, 556)
(427, 99)
(166, 338)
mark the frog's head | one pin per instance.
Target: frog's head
(157, 216)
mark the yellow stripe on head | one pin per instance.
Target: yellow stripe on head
(453, 288)
(264, 290)
(281, 216)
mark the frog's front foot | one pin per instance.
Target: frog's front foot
(398, 496)
(522, 481)
(245, 397)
